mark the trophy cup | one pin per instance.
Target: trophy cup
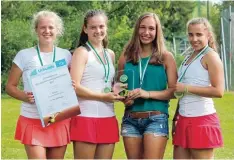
(122, 83)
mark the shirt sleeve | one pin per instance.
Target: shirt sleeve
(69, 57)
(18, 60)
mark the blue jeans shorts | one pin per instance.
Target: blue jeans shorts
(137, 127)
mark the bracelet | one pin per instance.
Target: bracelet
(185, 89)
(149, 95)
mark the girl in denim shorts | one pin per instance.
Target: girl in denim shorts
(153, 76)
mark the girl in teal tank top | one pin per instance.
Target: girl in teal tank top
(151, 73)
(155, 79)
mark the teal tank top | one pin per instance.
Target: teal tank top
(155, 79)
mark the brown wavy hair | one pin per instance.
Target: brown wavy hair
(134, 47)
(201, 20)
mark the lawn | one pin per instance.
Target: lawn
(12, 149)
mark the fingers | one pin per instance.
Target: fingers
(112, 97)
(28, 93)
(74, 84)
(179, 87)
(118, 97)
(135, 96)
(124, 85)
(129, 103)
(136, 93)
(30, 97)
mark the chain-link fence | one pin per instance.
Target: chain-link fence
(227, 46)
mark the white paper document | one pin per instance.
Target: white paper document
(52, 89)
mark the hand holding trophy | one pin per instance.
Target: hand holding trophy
(124, 81)
(121, 86)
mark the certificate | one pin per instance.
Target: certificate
(53, 92)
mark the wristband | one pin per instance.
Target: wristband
(185, 89)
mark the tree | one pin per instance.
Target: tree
(16, 22)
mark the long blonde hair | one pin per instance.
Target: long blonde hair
(133, 48)
(201, 20)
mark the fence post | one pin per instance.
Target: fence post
(230, 45)
(224, 56)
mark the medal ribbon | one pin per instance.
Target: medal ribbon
(198, 55)
(107, 70)
(142, 75)
(39, 56)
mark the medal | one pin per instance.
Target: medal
(198, 55)
(107, 90)
(106, 69)
(123, 78)
(178, 94)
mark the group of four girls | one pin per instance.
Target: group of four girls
(144, 127)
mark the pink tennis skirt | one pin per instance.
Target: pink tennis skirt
(198, 132)
(30, 131)
(94, 130)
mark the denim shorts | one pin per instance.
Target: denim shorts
(137, 127)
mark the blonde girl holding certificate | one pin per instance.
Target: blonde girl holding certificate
(49, 142)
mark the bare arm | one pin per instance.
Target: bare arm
(170, 66)
(79, 60)
(166, 94)
(213, 64)
(78, 64)
(112, 54)
(122, 62)
(12, 83)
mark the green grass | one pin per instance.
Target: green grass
(12, 149)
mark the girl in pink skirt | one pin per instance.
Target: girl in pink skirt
(196, 127)
(95, 131)
(49, 142)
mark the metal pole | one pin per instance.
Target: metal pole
(221, 50)
(224, 56)
(198, 8)
(208, 10)
(230, 45)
